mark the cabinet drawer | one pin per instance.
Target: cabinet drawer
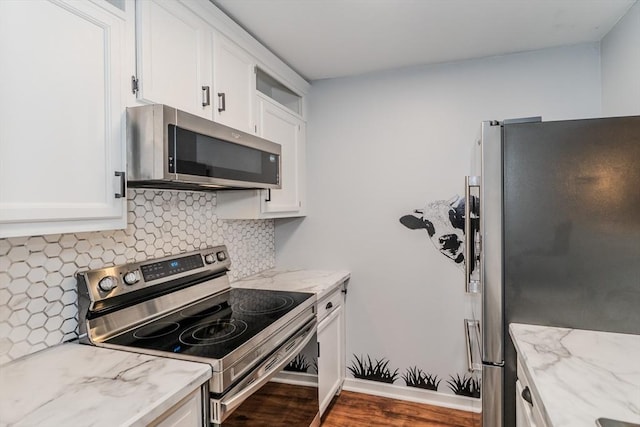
(329, 303)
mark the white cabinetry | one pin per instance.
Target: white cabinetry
(187, 413)
(183, 62)
(331, 339)
(233, 82)
(279, 125)
(62, 108)
(527, 406)
(174, 57)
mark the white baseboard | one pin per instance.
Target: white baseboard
(413, 394)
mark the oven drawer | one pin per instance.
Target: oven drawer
(330, 303)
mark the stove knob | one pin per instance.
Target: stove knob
(131, 278)
(209, 259)
(221, 256)
(107, 283)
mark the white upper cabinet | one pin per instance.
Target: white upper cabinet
(234, 85)
(280, 125)
(62, 117)
(173, 50)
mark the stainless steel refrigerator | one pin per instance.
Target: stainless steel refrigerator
(553, 238)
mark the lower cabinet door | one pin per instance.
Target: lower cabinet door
(331, 358)
(187, 413)
(524, 415)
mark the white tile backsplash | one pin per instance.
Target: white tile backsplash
(38, 296)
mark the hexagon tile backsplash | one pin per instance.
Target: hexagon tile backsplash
(38, 297)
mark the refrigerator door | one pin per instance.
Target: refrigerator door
(571, 228)
(491, 244)
(492, 396)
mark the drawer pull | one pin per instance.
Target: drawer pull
(329, 306)
(526, 395)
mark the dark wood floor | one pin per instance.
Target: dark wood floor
(363, 410)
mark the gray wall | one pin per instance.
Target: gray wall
(382, 145)
(620, 51)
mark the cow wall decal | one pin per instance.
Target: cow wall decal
(444, 222)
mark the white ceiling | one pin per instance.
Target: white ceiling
(331, 38)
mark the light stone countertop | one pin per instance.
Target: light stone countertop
(580, 376)
(81, 385)
(320, 282)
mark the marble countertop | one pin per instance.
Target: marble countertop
(75, 384)
(320, 282)
(580, 376)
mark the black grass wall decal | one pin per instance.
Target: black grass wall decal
(464, 386)
(367, 370)
(298, 364)
(416, 377)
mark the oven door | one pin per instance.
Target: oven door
(269, 395)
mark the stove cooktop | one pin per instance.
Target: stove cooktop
(215, 327)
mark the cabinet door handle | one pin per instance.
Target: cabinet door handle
(206, 96)
(329, 306)
(123, 185)
(526, 395)
(222, 104)
(268, 198)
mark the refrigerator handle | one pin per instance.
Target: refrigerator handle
(472, 333)
(471, 273)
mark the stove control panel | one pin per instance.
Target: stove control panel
(162, 269)
(142, 278)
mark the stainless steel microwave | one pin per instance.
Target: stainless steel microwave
(169, 148)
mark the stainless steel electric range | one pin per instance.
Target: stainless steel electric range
(183, 307)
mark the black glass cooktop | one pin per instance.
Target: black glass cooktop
(214, 327)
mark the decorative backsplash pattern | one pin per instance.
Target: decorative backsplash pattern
(38, 297)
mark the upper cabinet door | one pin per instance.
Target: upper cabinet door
(234, 84)
(281, 126)
(174, 57)
(62, 117)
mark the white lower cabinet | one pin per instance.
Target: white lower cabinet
(524, 416)
(187, 413)
(278, 124)
(62, 152)
(331, 339)
(527, 407)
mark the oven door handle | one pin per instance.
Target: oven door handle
(268, 369)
